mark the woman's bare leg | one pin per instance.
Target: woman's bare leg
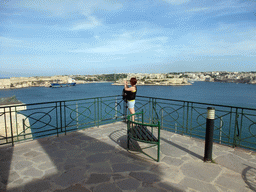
(132, 111)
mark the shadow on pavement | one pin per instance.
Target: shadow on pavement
(249, 177)
(77, 162)
(6, 155)
(182, 148)
(120, 138)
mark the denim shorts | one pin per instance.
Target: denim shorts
(130, 104)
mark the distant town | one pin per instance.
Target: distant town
(171, 79)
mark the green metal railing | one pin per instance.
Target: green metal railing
(31, 121)
(234, 126)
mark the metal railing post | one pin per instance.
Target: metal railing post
(149, 111)
(95, 110)
(158, 143)
(187, 117)
(65, 118)
(236, 129)
(124, 110)
(57, 124)
(191, 117)
(162, 118)
(5, 123)
(230, 120)
(220, 134)
(98, 114)
(10, 110)
(241, 127)
(61, 126)
(23, 124)
(183, 118)
(142, 119)
(16, 123)
(209, 134)
(76, 115)
(116, 109)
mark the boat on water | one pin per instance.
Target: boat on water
(71, 82)
(62, 84)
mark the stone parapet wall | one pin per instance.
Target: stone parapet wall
(6, 108)
(11, 124)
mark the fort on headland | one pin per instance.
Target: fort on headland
(171, 79)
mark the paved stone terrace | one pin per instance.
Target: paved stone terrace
(96, 160)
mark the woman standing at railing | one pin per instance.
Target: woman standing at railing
(131, 94)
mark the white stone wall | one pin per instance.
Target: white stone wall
(16, 126)
(5, 83)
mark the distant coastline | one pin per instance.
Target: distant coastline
(144, 79)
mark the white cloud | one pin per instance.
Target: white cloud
(64, 8)
(233, 43)
(89, 24)
(198, 9)
(211, 8)
(222, 8)
(72, 10)
(176, 2)
(125, 43)
(8, 43)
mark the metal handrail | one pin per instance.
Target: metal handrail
(31, 121)
(234, 126)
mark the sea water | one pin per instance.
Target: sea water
(228, 94)
(239, 95)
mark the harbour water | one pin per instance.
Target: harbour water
(239, 95)
(227, 94)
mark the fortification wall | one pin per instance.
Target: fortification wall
(20, 82)
(13, 124)
(5, 83)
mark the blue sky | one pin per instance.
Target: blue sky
(65, 37)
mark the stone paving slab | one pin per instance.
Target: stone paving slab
(96, 160)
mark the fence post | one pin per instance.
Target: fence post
(125, 110)
(209, 134)
(162, 118)
(57, 124)
(187, 117)
(116, 109)
(221, 123)
(98, 114)
(76, 115)
(5, 123)
(23, 124)
(10, 110)
(236, 129)
(65, 118)
(61, 117)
